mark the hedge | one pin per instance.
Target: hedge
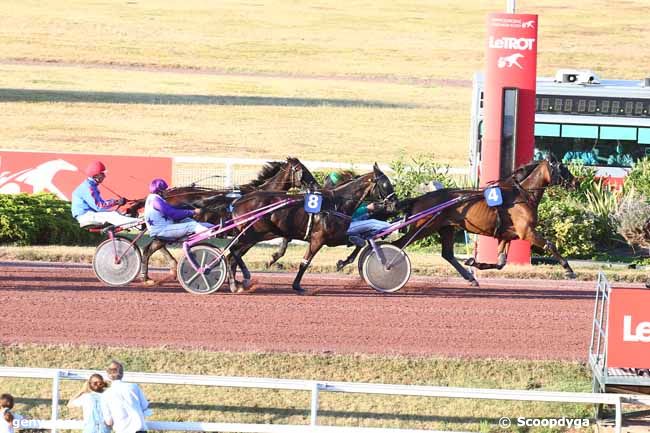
(40, 219)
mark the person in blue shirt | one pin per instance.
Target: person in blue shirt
(88, 206)
(166, 221)
(89, 399)
(362, 225)
(619, 158)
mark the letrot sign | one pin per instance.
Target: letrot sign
(510, 80)
(628, 333)
(61, 173)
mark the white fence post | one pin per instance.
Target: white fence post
(314, 403)
(55, 399)
(228, 181)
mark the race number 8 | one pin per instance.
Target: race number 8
(313, 203)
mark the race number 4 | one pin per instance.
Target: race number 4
(313, 202)
(493, 196)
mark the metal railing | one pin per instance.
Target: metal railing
(315, 387)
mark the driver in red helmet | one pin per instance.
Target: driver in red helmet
(88, 206)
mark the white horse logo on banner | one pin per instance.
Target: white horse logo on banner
(40, 178)
(510, 61)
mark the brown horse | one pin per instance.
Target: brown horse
(516, 218)
(214, 203)
(343, 176)
(328, 227)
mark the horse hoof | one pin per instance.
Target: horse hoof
(470, 262)
(247, 284)
(571, 275)
(299, 290)
(340, 265)
(474, 283)
(647, 284)
(150, 283)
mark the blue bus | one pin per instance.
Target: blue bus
(578, 117)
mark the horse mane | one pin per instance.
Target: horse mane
(269, 170)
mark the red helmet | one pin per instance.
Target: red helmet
(95, 168)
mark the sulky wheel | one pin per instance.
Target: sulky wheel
(116, 262)
(362, 257)
(208, 281)
(388, 275)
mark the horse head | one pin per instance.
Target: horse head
(300, 176)
(560, 173)
(383, 189)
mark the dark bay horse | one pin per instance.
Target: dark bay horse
(516, 218)
(342, 177)
(214, 203)
(325, 228)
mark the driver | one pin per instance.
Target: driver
(362, 225)
(166, 221)
(88, 206)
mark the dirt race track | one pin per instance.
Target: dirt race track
(52, 303)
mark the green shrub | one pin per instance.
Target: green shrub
(639, 178)
(569, 225)
(410, 175)
(40, 219)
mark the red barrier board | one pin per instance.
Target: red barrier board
(628, 329)
(511, 62)
(61, 173)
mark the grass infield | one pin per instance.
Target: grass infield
(185, 403)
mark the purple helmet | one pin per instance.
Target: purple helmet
(157, 185)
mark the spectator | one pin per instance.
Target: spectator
(8, 417)
(89, 399)
(88, 206)
(619, 158)
(124, 406)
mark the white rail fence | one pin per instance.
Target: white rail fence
(225, 172)
(315, 387)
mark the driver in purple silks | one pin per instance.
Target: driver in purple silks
(167, 221)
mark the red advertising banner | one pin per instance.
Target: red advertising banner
(511, 64)
(628, 329)
(61, 173)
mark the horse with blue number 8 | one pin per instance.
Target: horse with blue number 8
(505, 210)
(321, 219)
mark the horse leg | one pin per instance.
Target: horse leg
(173, 264)
(279, 253)
(447, 239)
(502, 255)
(236, 253)
(246, 274)
(314, 247)
(148, 251)
(536, 239)
(343, 263)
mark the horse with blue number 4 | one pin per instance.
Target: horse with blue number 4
(505, 210)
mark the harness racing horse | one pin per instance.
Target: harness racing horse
(343, 176)
(328, 227)
(214, 203)
(516, 218)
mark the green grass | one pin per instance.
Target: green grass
(353, 82)
(270, 406)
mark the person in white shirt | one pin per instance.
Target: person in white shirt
(7, 417)
(123, 404)
(89, 400)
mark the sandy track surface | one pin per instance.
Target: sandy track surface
(536, 319)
